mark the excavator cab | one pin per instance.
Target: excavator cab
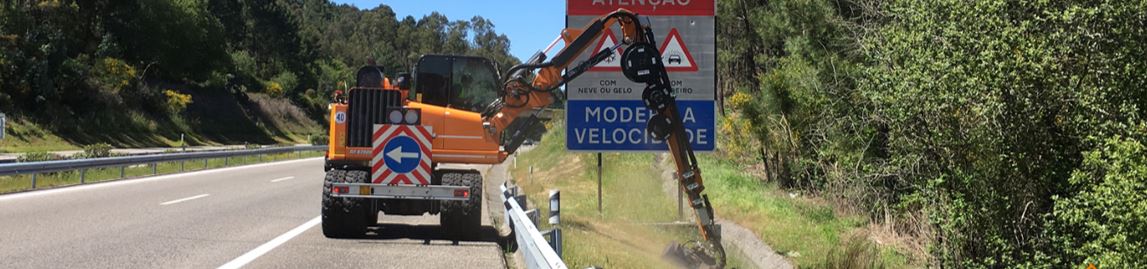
(458, 82)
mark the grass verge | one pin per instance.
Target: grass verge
(22, 136)
(808, 231)
(19, 183)
(621, 236)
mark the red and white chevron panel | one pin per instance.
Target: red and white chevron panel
(383, 133)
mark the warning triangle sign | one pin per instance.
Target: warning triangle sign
(613, 63)
(675, 55)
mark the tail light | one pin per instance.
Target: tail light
(464, 193)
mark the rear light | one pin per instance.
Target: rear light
(411, 116)
(395, 116)
(464, 193)
(340, 190)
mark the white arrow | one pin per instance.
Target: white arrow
(397, 154)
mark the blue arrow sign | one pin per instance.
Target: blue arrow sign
(402, 154)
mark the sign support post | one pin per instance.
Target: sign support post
(599, 183)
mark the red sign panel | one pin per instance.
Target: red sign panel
(642, 7)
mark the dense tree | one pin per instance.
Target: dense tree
(57, 56)
(1010, 125)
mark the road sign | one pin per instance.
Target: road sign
(401, 154)
(613, 63)
(605, 111)
(676, 55)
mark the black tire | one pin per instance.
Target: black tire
(463, 219)
(343, 217)
(371, 213)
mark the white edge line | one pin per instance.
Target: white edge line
(19, 195)
(282, 179)
(176, 201)
(270, 245)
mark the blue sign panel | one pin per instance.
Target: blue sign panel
(402, 154)
(619, 125)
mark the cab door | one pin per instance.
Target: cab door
(432, 94)
(473, 86)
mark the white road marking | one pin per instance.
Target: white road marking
(176, 201)
(30, 194)
(271, 245)
(281, 179)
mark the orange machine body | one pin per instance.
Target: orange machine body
(458, 135)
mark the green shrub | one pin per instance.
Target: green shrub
(1105, 222)
(286, 81)
(98, 150)
(319, 139)
(39, 156)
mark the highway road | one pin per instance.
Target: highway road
(257, 216)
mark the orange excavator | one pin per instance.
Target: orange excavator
(391, 144)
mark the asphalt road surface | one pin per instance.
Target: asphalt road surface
(258, 216)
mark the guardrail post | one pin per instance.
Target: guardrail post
(226, 161)
(205, 163)
(154, 169)
(83, 173)
(532, 214)
(121, 171)
(555, 221)
(34, 180)
(182, 166)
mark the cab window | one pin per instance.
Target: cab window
(432, 80)
(475, 84)
(467, 83)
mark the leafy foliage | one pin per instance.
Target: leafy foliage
(1105, 221)
(98, 150)
(78, 65)
(974, 113)
(39, 156)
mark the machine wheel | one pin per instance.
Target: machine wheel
(343, 217)
(371, 212)
(463, 219)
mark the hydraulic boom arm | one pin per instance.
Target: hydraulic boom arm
(640, 62)
(520, 96)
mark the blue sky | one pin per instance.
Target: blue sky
(531, 25)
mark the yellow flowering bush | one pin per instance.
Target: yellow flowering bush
(112, 75)
(176, 102)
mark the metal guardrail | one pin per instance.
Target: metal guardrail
(538, 252)
(84, 164)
